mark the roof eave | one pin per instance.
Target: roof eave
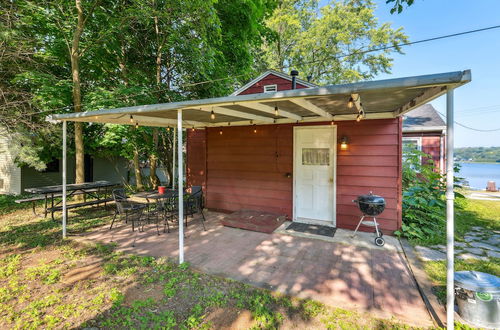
(442, 80)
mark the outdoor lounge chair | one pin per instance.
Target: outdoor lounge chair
(132, 211)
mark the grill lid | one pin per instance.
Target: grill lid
(371, 199)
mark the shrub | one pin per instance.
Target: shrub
(424, 204)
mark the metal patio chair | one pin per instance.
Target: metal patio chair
(194, 204)
(159, 211)
(132, 211)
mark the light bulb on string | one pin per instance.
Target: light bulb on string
(350, 103)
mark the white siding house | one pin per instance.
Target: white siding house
(15, 179)
(10, 173)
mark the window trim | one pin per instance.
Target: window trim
(414, 138)
(274, 86)
(417, 139)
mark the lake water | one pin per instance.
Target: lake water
(478, 174)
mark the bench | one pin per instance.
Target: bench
(33, 200)
(37, 198)
(76, 205)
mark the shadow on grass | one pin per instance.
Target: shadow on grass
(26, 231)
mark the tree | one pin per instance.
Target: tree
(78, 55)
(335, 46)
(398, 5)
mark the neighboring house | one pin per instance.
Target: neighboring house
(240, 169)
(424, 128)
(15, 179)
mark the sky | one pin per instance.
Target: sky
(477, 104)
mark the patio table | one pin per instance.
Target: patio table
(92, 189)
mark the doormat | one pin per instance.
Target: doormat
(263, 222)
(311, 229)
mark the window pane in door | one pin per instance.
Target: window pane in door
(315, 156)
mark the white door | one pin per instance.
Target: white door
(314, 168)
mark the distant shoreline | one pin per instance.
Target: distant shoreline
(472, 162)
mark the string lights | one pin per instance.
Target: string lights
(276, 113)
(212, 115)
(131, 119)
(350, 103)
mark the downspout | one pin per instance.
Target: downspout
(441, 152)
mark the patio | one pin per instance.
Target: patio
(355, 277)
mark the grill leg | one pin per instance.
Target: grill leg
(376, 226)
(357, 227)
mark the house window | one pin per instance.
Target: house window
(410, 143)
(52, 167)
(270, 88)
(315, 156)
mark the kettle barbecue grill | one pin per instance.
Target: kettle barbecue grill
(370, 205)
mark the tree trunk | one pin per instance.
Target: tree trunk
(77, 96)
(137, 171)
(168, 156)
(153, 158)
(153, 161)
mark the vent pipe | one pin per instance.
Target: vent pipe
(294, 75)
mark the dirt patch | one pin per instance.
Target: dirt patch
(134, 293)
(230, 318)
(90, 271)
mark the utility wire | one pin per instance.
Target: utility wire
(309, 62)
(472, 128)
(400, 45)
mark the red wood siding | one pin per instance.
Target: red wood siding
(271, 79)
(431, 144)
(246, 170)
(196, 159)
(372, 162)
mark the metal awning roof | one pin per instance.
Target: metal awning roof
(380, 99)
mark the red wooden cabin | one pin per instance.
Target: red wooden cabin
(252, 167)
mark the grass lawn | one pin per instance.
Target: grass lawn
(475, 213)
(46, 282)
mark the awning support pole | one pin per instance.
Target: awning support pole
(173, 162)
(181, 188)
(450, 221)
(64, 210)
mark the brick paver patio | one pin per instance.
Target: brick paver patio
(347, 276)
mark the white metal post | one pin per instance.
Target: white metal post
(64, 180)
(173, 162)
(180, 177)
(450, 221)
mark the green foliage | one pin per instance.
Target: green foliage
(46, 273)
(478, 154)
(131, 53)
(398, 5)
(424, 206)
(313, 40)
